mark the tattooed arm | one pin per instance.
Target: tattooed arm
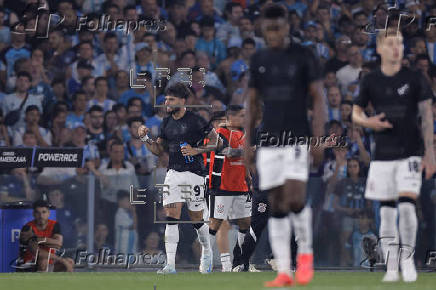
(428, 162)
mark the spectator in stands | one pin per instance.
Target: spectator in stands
(113, 58)
(126, 222)
(115, 175)
(341, 57)
(79, 109)
(95, 132)
(88, 86)
(110, 124)
(363, 230)
(334, 102)
(65, 216)
(350, 72)
(78, 139)
(100, 237)
(122, 84)
(349, 203)
(61, 134)
(4, 136)
(243, 62)
(136, 151)
(84, 69)
(142, 95)
(230, 28)
(101, 97)
(346, 109)
(209, 43)
(17, 186)
(13, 101)
(152, 244)
(32, 119)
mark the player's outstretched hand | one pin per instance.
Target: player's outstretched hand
(376, 123)
(142, 131)
(428, 164)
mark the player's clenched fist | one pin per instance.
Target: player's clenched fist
(142, 131)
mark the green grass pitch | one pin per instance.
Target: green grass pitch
(194, 281)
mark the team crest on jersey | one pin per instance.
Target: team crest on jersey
(261, 207)
(403, 90)
(220, 208)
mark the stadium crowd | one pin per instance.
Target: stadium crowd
(92, 88)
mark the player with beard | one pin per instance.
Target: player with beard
(229, 195)
(181, 135)
(282, 76)
(399, 96)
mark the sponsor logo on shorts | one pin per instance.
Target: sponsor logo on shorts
(261, 207)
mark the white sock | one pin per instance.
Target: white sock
(408, 226)
(302, 225)
(241, 237)
(171, 240)
(225, 258)
(389, 237)
(279, 230)
(203, 237)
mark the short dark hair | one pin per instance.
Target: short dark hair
(24, 74)
(118, 107)
(178, 90)
(233, 109)
(275, 11)
(248, 40)
(188, 51)
(95, 108)
(132, 120)
(347, 102)
(110, 34)
(131, 100)
(58, 81)
(31, 108)
(207, 21)
(40, 203)
(117, 142)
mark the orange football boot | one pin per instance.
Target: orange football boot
(282, 280)
(304, 273)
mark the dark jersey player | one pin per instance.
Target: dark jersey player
(39, 240)
(282, 76)
(181, 135)
(399, 96)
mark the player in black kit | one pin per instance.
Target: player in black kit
(182, 134)
(282, 76)
(399, 96)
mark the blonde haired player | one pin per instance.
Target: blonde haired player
(399, 96)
